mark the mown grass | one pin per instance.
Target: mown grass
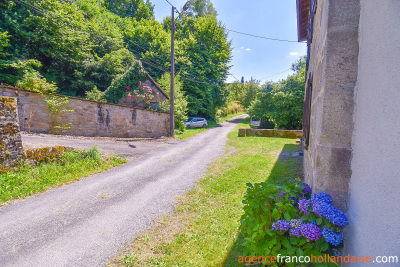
(203, 231)
(71, 166)
(191, 132)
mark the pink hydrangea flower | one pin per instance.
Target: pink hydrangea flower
(129, 95)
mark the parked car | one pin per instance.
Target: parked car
(196, 122)
(255, 123)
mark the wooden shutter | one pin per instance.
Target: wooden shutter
(307, 112)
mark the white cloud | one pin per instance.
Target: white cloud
(241, 48)
(248, 49)
(293, 53)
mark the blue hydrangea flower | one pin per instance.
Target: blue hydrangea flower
(331, 236)
(332, 214)
(336, 216)
(274, 227)
(282, 195)
(295, 232)
(310, 231)
(304, 204)
(283, 225)
(306, 190)
(322, 197)
(295, 223)
(294, 200)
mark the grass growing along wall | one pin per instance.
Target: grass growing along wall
(71, 166)
(203, 231)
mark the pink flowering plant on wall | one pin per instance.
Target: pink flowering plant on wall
(290, 220)
(142, 94)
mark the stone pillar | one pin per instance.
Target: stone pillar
(333, 68)
(11, 151)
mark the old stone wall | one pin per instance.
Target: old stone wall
(11, 151)
(333, 68)
(243, 132)
(89, 118)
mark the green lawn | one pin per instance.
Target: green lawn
(191, 132)
(71, 166)
(203, 231)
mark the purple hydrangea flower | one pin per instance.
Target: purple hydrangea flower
(306, 190)
(321, 208)
(283, 225)
(322, 197)
(282, 195)
(303, 205)
(310, 231)
(331, 236)
(295, 231)
(295, 223)
(274, 227)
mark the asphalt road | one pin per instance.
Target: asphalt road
(88, 222)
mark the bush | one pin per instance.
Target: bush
(290, 221)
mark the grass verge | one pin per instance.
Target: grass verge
(203, 231)
(191, 132)
(71, 166)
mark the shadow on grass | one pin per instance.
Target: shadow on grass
(285, 170)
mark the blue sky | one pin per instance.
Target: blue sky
(254, 57)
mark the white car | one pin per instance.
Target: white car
(196, 122)
(254, 123)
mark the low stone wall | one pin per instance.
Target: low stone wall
(89, 118)
(243, 132)
(11, 151)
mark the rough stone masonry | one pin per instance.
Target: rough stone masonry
(11, 151)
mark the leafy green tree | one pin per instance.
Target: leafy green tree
(204, 55)
(180, 103)
(201, 8)
(282, 102)
(116, 91)
(137, 9)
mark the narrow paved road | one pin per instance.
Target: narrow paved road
(86, 223)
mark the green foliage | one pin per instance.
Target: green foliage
(282, 102)
(4, 43)
(203, 56)
(180, 104)
(266, 203)
(87, 43)
(95, 94)
(33, 81)
(137, 9)
(231, 107)
(131, 77)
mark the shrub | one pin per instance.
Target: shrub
(291, 221)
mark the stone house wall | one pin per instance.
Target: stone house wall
(89, 118)
(333, 73)
(11, 151)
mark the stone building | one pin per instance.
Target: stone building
(351, 115)
(160, 96)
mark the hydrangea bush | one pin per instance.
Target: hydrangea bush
(290, 220)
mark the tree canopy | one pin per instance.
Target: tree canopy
(85, 44)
